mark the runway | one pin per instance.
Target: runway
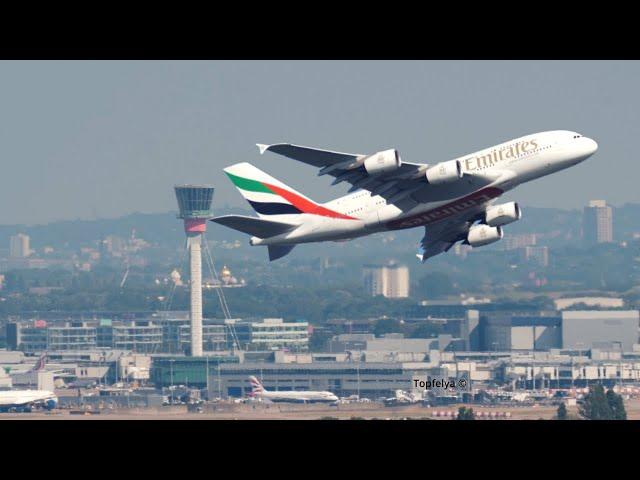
(307, 412)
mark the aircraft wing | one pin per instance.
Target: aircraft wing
(346, 167)
(436, 241)
(440, 237)
(311, 156)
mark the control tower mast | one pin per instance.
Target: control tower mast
(194, 202)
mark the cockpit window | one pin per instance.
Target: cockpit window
(577, 136)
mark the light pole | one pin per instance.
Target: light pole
(171, 373)
(572, 375)
(579, 345)
(207, 376)
(116, 369)
(103, 360)
(619, 379)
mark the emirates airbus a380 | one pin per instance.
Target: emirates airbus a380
(452, 200)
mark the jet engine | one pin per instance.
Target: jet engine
(445, 172)
(480, 235)
(382, 162)
(503, 214)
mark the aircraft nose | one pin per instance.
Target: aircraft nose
(591, 146)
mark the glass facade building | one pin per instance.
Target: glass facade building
(188, 371)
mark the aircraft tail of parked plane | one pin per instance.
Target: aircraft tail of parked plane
(256, 386)
(40, 364)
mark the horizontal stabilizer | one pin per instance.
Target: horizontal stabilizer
(278, 251)
(254, 226)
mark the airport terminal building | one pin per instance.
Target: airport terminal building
(371, 380)
(528, 349)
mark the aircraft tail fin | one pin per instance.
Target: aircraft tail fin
(256, 386)
(268, 196)
(40, 364)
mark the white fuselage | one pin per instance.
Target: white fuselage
(298, 397)
(487, 173)
(27, 398)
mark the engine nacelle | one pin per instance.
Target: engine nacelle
(382, 162)
(480, 235)
(445, 172)
(499, 215)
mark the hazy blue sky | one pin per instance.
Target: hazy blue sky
(103, 139)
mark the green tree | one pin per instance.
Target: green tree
(595, 405)
(425, 330)
(616, 405)
(435, 284)
(318, 340)
(465, 414)
(562, 412)
(386, 325)
(15, 281)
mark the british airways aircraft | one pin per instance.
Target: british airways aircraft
(452, 200)
(26, 400)
(258, 391)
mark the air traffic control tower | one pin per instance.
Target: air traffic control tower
(194, 202)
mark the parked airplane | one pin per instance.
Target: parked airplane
(258, 391)
(39, 365)
(453, 200)
(26, 400)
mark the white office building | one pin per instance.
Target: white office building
(586, 329)
(19, 246)
(391, 281)
(597, 223)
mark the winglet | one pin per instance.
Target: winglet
(263, 148)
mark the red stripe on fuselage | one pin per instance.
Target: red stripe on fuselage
(447, 210)
(305, 205)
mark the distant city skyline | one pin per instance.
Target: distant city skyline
(102, 139)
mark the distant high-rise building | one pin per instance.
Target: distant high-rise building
(597, 223)
(19, 246)
(397, 281)
(537, 255)
(391, 281)
(511, 242)
(374, 280)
